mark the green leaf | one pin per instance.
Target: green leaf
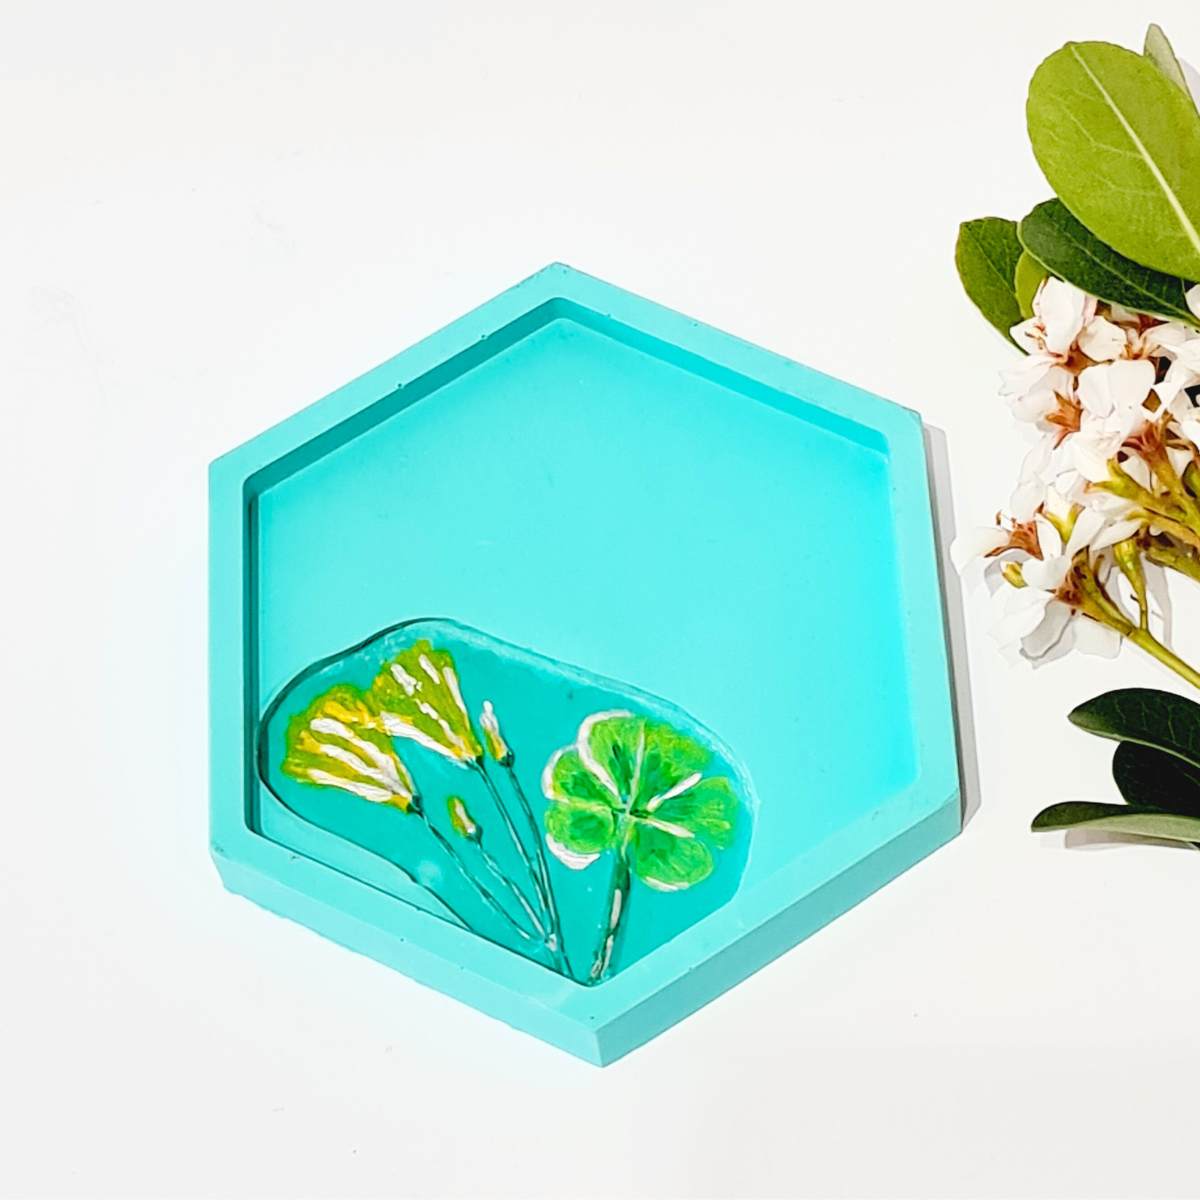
(582, 829)
(611, 742)
(668, 758)
(1027, 278)
(986, 255)
(710, 807)
(1152, 718)
(1120, 145)
(667, 863)
(1153, 779)
(631, 761)
(1066, 249)
(566, 777)
(1118, 818)
(1159, 51)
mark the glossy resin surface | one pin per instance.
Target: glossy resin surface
(593, 505)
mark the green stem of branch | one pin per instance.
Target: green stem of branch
(1175, 559)
(1172, 525)
(1128, 556)
(1166, 474)
(1152, 646)
(1096, 603)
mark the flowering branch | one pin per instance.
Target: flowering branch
(1107, 490)
(1097, 286)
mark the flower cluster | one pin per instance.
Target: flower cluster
(1109, 493)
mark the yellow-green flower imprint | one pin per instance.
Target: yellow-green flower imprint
(337, 741)
(637, 785)
(461, 820)
(497, 747)
(344, 740)
(419, 698)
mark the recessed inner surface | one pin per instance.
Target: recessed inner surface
(585, 499)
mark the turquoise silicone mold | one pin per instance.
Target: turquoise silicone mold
(584, 474)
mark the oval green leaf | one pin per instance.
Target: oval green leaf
(1118, 818)
(1152, 718)
(1066, 249)
(1120, 145)
(1159, 51)
(1153, 779)
(1027, 278)
(986, 256)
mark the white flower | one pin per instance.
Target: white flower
(1193, 296)
(1171, 389)
(1181, 347)
(1116, 511)
(1060, 311)
(1112, 396)
(1038, 470)
(1035, 617)
(1033, 388)
(1189, 426)
(980, 542)
(1180, 344)
(1102, 341)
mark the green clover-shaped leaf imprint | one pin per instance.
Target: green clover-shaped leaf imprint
(637, 787)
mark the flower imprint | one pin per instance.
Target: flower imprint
(418, 697)
(337, 742)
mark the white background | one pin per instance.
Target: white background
(212, 214)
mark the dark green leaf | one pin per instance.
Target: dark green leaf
(986, 255)
(1118, 818)
(1120, 144)
(1158, 50)
(1026, 280)
(1066, 249)
(1157, 719)
(1150, 778)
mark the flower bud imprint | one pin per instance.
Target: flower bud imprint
(497, 747)
(461, 820)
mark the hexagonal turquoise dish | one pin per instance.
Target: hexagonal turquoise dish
(578, 661)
